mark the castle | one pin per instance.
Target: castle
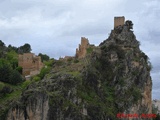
(81, 51)
(30, 63)
(119, 21)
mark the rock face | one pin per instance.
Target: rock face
(122, 51)
(32, 108)
(114, 78)
(156, 106)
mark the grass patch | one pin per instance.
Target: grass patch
(89, 50)
(17, 90)
(75, 73)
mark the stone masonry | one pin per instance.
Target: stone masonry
(119, 21)
(30, 63)
(81, 51)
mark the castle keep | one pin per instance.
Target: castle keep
(30, 63)
(119, 21)
(81, 51)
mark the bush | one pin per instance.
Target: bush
(7, 74)
(6, 89)
(19, 69)
(136, 94)
(36, 78)
(49, 62)
(59, 63)
(15, 77)
(69, 59)
(44, 71)
(1, 85)
(76, 61)
(5, 71)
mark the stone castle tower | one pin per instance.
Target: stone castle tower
(81, 51)
(119, 21)
(30, 63)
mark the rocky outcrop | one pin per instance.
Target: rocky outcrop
(114, 78)
(34, 106)
(126, 57)
(156, 106)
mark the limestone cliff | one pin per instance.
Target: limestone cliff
(114, 77)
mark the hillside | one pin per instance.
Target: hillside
(112, 78)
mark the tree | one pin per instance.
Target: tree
(5, 70)
(15, 77)
(12, 48)
(44, 71)
(7, 74)
(2, 49)
(19, 69)
(12, 58)
(26, 48)
(44, 57)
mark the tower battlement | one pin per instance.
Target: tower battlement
(119, 21)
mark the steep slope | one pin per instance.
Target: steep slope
(113, 78)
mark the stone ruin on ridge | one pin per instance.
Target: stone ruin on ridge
(30, 63)
(81, 51)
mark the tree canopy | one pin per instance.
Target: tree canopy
(26, 48)
(44, 57)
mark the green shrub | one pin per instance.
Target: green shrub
(44, 57)
(36, 78)
(59, 62)
(49, 62)
(89, 50)
(44, 71)
(19, 69)
(5, 71)
(15, 77)
(6, 89)
(25, 84)
(12, 58)
(136, 94)
(69, 59)
(1, 85)
(76, 61)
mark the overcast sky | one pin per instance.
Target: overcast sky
(55, 27)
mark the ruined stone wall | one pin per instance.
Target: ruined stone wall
(81, 51)
(30, 63)
(119, 21)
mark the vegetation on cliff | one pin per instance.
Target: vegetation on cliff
(12, 82)
(113, 77)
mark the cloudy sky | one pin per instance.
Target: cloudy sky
(55, 27)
